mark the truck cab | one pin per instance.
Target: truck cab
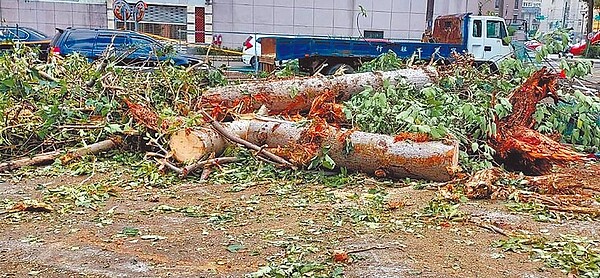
(485, 37)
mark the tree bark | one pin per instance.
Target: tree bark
(51, 156)
(357, 151)
(294, 95)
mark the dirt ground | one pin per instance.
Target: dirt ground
(211, 229)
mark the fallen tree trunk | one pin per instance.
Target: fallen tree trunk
(370, 153)
(51, 156)
(294, 95)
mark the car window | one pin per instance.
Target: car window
(104, 40)
(13, 34)
(143, 46)
(36, 35)
(20, 34)
(80, 41)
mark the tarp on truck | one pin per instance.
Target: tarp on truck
(448, 29)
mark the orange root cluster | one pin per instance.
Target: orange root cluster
(520, 147)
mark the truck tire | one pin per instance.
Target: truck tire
(339, 68)
(253, 62)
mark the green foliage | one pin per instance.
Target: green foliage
(552, 42)
(38, 112)
(296, 264)
(569, 253)
(291, 68)
(576, 68)
(458, 106)
(322, 160)
(249, 172)
(540, 212)
(577, 118)
(518, 70)
(441, 209)
(385, 62)
(593, 52)
(83, 195)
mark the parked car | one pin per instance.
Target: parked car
(22, 34)
(251, 51)
(130, 48)
(9, 35)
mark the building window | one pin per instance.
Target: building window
(373, 34)
(171, 31)
(166, 21)
(516, 4)
(497, 6)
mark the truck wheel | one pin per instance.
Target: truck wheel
(339, 69)
(253, 62)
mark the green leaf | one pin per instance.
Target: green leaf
(328, 162)
(128, 231)
(474, 147)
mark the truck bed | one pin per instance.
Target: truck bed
(286, 48)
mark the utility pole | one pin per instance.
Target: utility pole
(566, 13)
(429, 15)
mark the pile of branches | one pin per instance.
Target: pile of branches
(70, 102)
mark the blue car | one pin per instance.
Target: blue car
(130, 48)
(22, 34)
(9, 35)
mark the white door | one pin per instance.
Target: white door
(476, 38)
(496, 45)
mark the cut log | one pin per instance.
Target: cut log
(295, 95)
(370, 153)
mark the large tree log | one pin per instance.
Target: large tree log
(294, 95)
(357, 151)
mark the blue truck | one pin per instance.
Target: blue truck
(485, 37)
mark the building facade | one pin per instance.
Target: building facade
(396, 19)
(532, 14)
(187, 20)
(568, 14)
(510, 9)
(45, 15)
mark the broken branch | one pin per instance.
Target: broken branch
(215, 161)
(219, 128)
